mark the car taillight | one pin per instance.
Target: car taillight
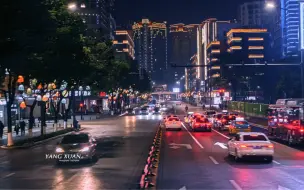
(208, 125)
(301, 130)
(197, 124)
(270, 146)
(243, 146)
(223, 120)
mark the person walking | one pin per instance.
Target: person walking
(1, 129)
(17, 128)
(22, 127)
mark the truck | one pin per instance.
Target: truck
(286, 121)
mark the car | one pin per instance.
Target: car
(193, 117)
(173, 123)
(201, 124)
(225, 122)
(250, 144)
(187, 118)
(144, 110)
(209, 113)
(80, 143)
(216, 119)
(167, 117)
(239, 125)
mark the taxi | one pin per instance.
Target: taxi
(239, 125)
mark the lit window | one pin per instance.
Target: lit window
(255, 47)
(215, 51)
(254, 56)
(255, 39)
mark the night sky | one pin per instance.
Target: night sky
(175, 11)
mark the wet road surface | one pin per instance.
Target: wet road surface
(196, 161)
(123, 145)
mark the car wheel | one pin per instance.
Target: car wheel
(236, 158)
(269, 159)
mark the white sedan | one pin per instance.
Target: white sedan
(173, 123)
(250, 144)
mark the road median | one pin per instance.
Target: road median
(37, 140)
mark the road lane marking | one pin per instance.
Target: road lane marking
(213, 160)
(220, 134)
(235, 185)
(195, 140)
(276, 162)
(282, 188)
(9, 175)
(222, 145)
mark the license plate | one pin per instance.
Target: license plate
(257, 147)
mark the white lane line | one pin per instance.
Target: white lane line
(220, 133)
(276, 162)
(9, 175)
(235, 185)
(195, 140)
(122, 114)
(213, 160)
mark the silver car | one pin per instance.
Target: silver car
(76, 147)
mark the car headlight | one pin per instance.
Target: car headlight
(59, 150)
(85, 149)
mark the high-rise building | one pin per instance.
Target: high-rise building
(97, 14)
(252, 14)
(124, 45)
(290, 22)
(210, 31)
(151, 48)
(183, 43)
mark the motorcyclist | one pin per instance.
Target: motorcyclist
(186, 108)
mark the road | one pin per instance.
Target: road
(123, 145)
(199, 160)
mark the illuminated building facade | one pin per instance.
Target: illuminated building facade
(190, 75)
(213, 59)
(253, 14)
(211, 31)
(151, 48)
(124, 45)
(97, 15)
(183, 43)
(290, 21)
(248, 45)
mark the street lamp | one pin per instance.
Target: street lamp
(270, 5)
(72, 6)
(177, 82)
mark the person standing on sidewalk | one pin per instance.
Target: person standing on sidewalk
(22, 127)
(1, 129)
(17, 128)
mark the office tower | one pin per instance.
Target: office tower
(183, 43)
(252, 14)
(151, 48)
(210, 31)
(97, 14)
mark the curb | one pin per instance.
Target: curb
(35, 143)
(149, 175)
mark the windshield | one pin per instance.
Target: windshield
(73, 139)
(241, 123)
(254, 138)
(173, 119)
(202, 120)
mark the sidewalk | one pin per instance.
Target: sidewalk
(36, 132)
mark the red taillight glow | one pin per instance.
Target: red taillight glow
(301, 130)
(270, 146)
(243, 146)
(223, 120)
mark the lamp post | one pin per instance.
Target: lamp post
(270, 5)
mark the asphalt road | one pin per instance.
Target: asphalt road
(196, 161)
(123, 145)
